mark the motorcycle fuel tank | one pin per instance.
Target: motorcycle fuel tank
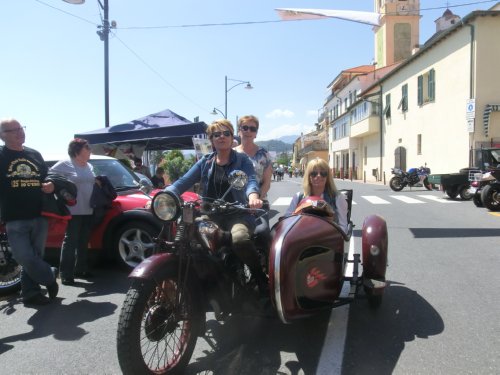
(305, 265)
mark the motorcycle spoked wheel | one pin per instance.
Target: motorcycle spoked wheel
(396, 184)
(156, 334)
(490, 196)
(10, 271)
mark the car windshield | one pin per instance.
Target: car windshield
(119, 176)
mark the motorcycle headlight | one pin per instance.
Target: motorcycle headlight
(166, 206)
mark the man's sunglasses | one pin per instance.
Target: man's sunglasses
(322, 174)
(246, 128)
(225, 133)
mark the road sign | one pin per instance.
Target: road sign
(471, 109)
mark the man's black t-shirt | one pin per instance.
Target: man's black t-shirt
(21, 177)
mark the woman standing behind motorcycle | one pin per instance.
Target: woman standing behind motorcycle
(212, 171)
(248, 126)
(318, 181)
(74, 248)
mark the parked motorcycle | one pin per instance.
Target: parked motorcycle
(411, 178)
(486, 190)
(197, 272)
(10, 270)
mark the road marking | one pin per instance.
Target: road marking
(437, 199)
(406, 199)
(332, 352)
(282, 201)
(374, 199)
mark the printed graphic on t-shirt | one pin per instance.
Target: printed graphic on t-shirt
(23, 173)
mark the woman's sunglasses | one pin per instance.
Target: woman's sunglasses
(225, 133)
(246, 128)
(322, 174)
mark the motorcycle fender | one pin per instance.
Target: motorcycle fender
(150, 266)
(374, 251)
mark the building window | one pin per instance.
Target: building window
(419, 144)
(426, 87)
(387, 108)
(403, 104)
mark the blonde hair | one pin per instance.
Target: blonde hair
(248, 118)
(318, 165)
(220, 125)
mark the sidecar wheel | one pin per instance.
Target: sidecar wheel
(156, 333)
(374, 300)
(396, 184)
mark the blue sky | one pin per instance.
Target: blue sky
(52, 64)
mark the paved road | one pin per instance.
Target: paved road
(439, 315)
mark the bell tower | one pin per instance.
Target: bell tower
(398, 33)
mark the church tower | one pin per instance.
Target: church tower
(398, 33)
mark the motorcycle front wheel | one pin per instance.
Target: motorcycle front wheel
(159, 324)
(396, 184)
(10, 270)
(490, 196)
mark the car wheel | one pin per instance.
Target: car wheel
(134, 242)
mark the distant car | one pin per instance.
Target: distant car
(126, 232)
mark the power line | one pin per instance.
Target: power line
(158, 74)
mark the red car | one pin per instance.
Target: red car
(127, 230)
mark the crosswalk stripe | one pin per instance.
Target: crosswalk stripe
(406, 199)
(437, 199)
(373, 199)
(282, 201)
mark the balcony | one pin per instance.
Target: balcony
(367, 126)
(315, 146)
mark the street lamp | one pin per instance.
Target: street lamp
(248, 87)
(217, 110)
(103, 33)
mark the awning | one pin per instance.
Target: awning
(486, 116)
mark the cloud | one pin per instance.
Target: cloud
(278, 113)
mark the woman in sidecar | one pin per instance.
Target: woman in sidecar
(318, 185)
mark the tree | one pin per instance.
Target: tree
(175, 164)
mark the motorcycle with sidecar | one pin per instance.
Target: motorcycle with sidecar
(194, 271)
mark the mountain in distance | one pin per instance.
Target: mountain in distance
(282, 144)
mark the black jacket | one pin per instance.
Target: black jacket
(55, 205)
(102, 198)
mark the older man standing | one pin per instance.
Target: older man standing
(22, 172)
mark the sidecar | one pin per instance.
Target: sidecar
(308, 260)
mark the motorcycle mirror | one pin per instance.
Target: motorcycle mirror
(237, 180)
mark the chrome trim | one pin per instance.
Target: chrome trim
(277, 269)
(374, 284)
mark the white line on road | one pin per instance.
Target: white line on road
(437, 199)
(406, 199)
(374, 199)
(332, 354)
(282, 201)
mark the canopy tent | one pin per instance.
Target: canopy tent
(165, 130)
